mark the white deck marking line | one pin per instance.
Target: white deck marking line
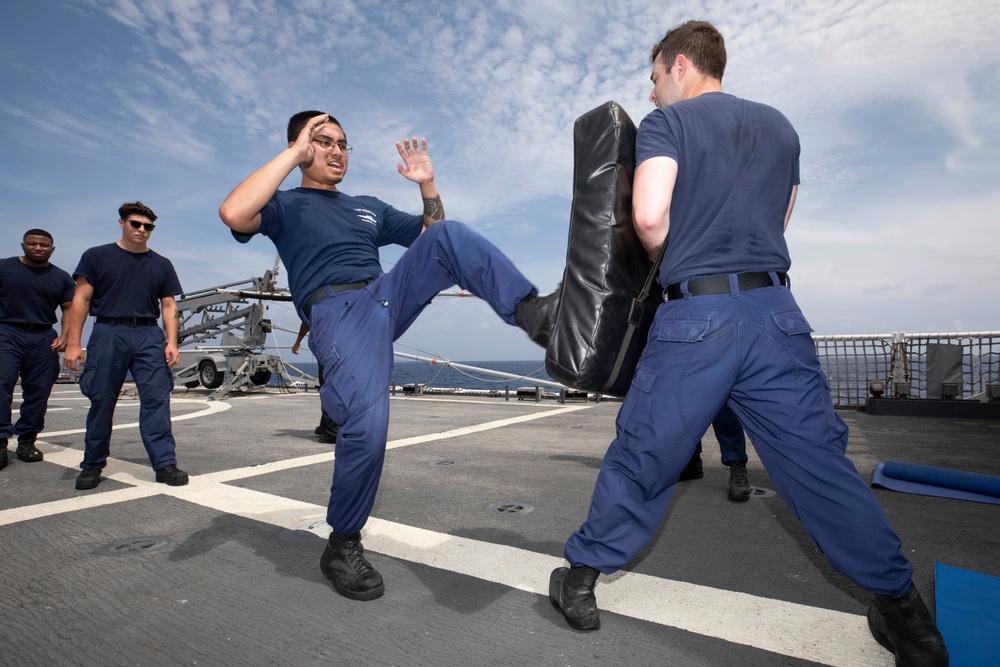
(211, 407)
(791, 629)
(138, 476)
(787, 628)
(458, 398)
(131, 473)
(29, 512)
(800, 631)
(486, 426)
(260, 397)
(313, 459)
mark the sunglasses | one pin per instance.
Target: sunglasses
(147, 226)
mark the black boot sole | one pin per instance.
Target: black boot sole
(87, 485)
(363, 596)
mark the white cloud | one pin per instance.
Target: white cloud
(897, 104)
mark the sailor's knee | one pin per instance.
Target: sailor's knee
(447, 231)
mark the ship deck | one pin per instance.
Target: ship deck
(476, 501)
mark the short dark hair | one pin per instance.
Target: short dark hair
(700, 41)
(299, 120)
(37, 232)
(135, 208)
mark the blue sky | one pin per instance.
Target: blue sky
(174, 102)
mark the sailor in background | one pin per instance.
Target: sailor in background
(721, 174)
(126, 286)
(327, 429)
(31, 289)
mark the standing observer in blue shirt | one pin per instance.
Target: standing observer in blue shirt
(721, 175)
(31, 288)
(125, 286)
(330, 241)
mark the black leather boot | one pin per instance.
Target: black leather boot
(739, 482)
(26, 450)
(693, 470)
(3, 453)
(572, 592)
(537, 316)
(344, 564)
(903, 625)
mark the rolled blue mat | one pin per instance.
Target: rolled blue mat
(972, 482)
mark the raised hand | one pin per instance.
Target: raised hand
(304, 142)
(417, 162)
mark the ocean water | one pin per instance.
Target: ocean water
(439, 376)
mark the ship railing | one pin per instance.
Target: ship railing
(961, 366)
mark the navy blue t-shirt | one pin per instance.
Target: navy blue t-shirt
(737, 162)
(31, 295)
(326, 237)
(127, 284)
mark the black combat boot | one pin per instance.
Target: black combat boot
(537, 316)
(572, 592)
(344, 564)
(739, 482)
(26, 450)
(693, 469)
(327, 429)
(903, 625)
(171, 475)
(3, 453)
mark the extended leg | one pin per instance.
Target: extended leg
(449, 253)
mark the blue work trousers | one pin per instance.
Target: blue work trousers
(351, 334)
(113, 351)
(27, 354)
(751, 350)
(729, 433)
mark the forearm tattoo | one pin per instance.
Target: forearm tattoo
(433, 210)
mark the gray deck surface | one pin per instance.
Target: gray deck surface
(225, 570)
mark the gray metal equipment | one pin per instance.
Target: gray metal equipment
(238, 329)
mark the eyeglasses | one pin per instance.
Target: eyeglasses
(327, 143)
(147, 226)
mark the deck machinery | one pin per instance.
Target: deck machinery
(232, 319)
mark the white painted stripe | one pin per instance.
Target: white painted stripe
(458, 398)
(288, 464)
(795, 630)
(800, 631)
(486, 426)
(211, 407)
(74, 504)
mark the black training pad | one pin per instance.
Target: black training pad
(606, 265)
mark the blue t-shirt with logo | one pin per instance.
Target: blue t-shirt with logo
(737, 162)
(127, 284)
(31, 295)
(328, 237)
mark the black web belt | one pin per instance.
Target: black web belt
(129, 321)
(720, 284)
(28, 327)
(325, 291)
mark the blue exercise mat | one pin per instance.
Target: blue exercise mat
(941, 482)
(968, 615)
